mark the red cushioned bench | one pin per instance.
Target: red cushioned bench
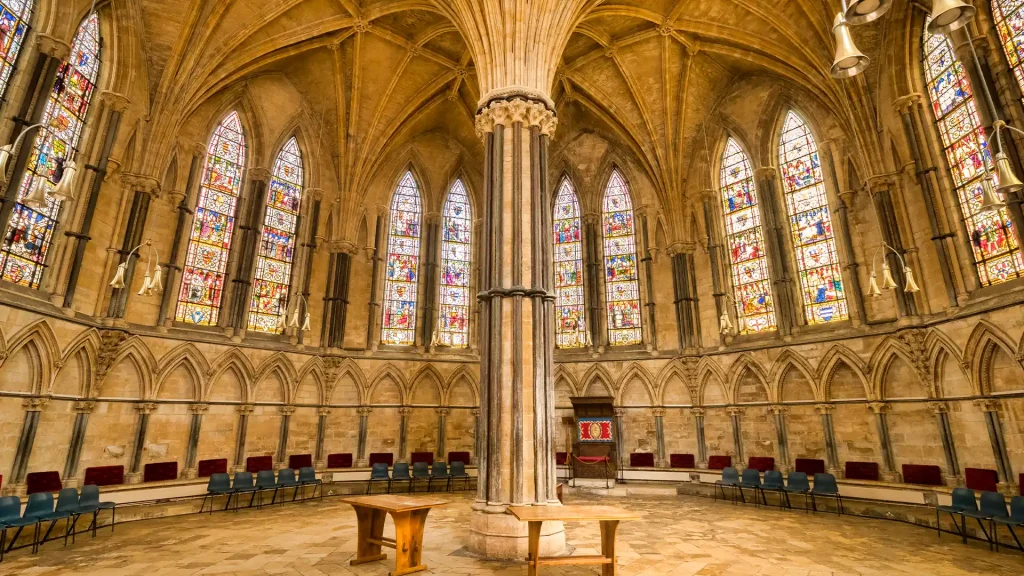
(682, 461)
(641, 460)
(296, 461)
(861, 471)
(43, 482)
(339, 460)
(561, 458)
(923, 474)
(761, 463)
(382, 458)
(160, 471)
(463, 457)
(104, 475)
(719, 462)
(427, 457)
(810, 466)
(981, 480)
(257, 464)
(208, 468)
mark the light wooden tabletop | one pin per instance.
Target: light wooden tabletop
(394, 502)
(571, 513)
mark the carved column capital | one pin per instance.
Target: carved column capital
(52, 46)
(658, 412)
(404, 411)
(476, 412)
(516, 110)
(199, 408)
(341, 247)
(444, 411)
(904, 104)
(117, 102)
(768, 173)
(734, 411)
(697, 411)
(145, 408)
(315, 194)
(245, 409)
(987, 404)
(777, 409)
(824, 408)
(620, 412)
(34, 404)
(287, 410)
(939, 407)
(879, 407)
(85, 407)
(364, 411)
(323, 411)
(259, 175)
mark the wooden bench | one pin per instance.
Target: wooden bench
(608, 516)
(410, 516)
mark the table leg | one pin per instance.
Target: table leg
(608, 528)
(371, 526)
(534, 550)
(409, 541)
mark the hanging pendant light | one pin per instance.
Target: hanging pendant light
(145, 290)
(911, 286)
(36, 197)
(949, 15)
(5, 158)
(282, 321)
(1008, 181)
(725, 323)
(989, 201)
(849, 60)
(305, 323)
(157, 284)
(294, 322)
(65, 188)
(873, 288)
(118, 281)
(887, 282)
(864, 11)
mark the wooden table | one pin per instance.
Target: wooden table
(608, 516)
(409, 514)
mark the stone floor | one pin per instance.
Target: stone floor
(678, 536)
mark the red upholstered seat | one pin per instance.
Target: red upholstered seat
(924, 474)
(561, 458)
(719, 462)
(104, 475)
(427, 457)
(761, 463)
(43, 482)
(682, 461)
(463, 457)
(382, 458)
(256, 464)
(981, 480)
(641, 460)
(810, 466)
(296, 461)
(208, 468)
(592, 459)
(339, 460)
(861, 471)
(160, 471)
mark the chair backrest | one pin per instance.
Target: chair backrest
(307, 474)
(730, 475)
(400, 471)
(90, 495)
(244, 480)
(993, 504)
(963, 499)
(420, 470)
(440, 470)
(458, 468)
(10, 508)
(798, 481)
(379, 471)
(773, 479)
(1017, 508)
(67, 500)
(38, 504)
(265, 479)
(286, 476)
(218, 482)
(751, 476)
(825, 484)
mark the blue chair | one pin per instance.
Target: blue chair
(286, 479)
(773, 483)
(265, 481)
(439, 472)
(400, 473)
(825, 486)
(10, 514)
(993, 505)
(458, 472)
(420, 471)
(242, 483)
(1016, 518)
(378, 473)
(89, 503)
(307, 477)
(797, 483)
(731, 478)
(39, 504)
(751, 480)
(218, 485)
(963, 501)
(67, 505)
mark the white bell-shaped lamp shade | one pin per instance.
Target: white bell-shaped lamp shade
(911, 286)
(990, 202)
(949, 15)
(157, 283)
(849, 60)
(65, 189)
(887, 282)
(36, 197)
(873, 288)
(282, 321)
(294, 322)
(864, 11)
(118, 281)
(5, 160)
(145, 290)
(305, 323)
(1008, 181)
(725, 323)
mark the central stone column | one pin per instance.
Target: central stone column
(516, 462)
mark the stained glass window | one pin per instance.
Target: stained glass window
(403, 270)
(751, 286)
(821, 281)
(202, 282)
(1009, 18)
(14, 17)
(570, 314)
(277, 243)
(996, 253)
(29, 232)
(621, 278)
(456, 250)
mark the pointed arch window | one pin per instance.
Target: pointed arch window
(30, 232)
(277, 242)
(996, 253)
(403, 268)
(570, 323)
(1009, 19)
(817, 260)
(14, 17)
(456, 255)
(202, 282)
(621, 278)
(751, 286)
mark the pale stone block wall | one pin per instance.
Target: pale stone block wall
(460, 435)
(263, 432)
(680, 432)
(914, 432)
(804, 433)
(382, 431)
(758, 435)
(302, 432)
(217, 434)
(12, 419)
(856, 434)
(55, 426)
(341, 434)
(167, 435)
(421, 432)
(110, 438)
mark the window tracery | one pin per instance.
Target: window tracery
(622, 279)
(570, 312)
(403, 265)
(456, 255)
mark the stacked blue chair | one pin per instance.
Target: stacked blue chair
(993, 505)
(307, 477)
(751, 480)
(286, 479)
(773, 483)
(10, 517)
(797, 483)
(218, 485)
(67, 506)
(420, 471)
(458, 472)
(39, 504)
(438, 473)
(731, 478)
(400, 473)
(243, 483)
(825, 485)
(1016, 518)
(265, 481)
(963, 501)
(378, 473)
(89, 503)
